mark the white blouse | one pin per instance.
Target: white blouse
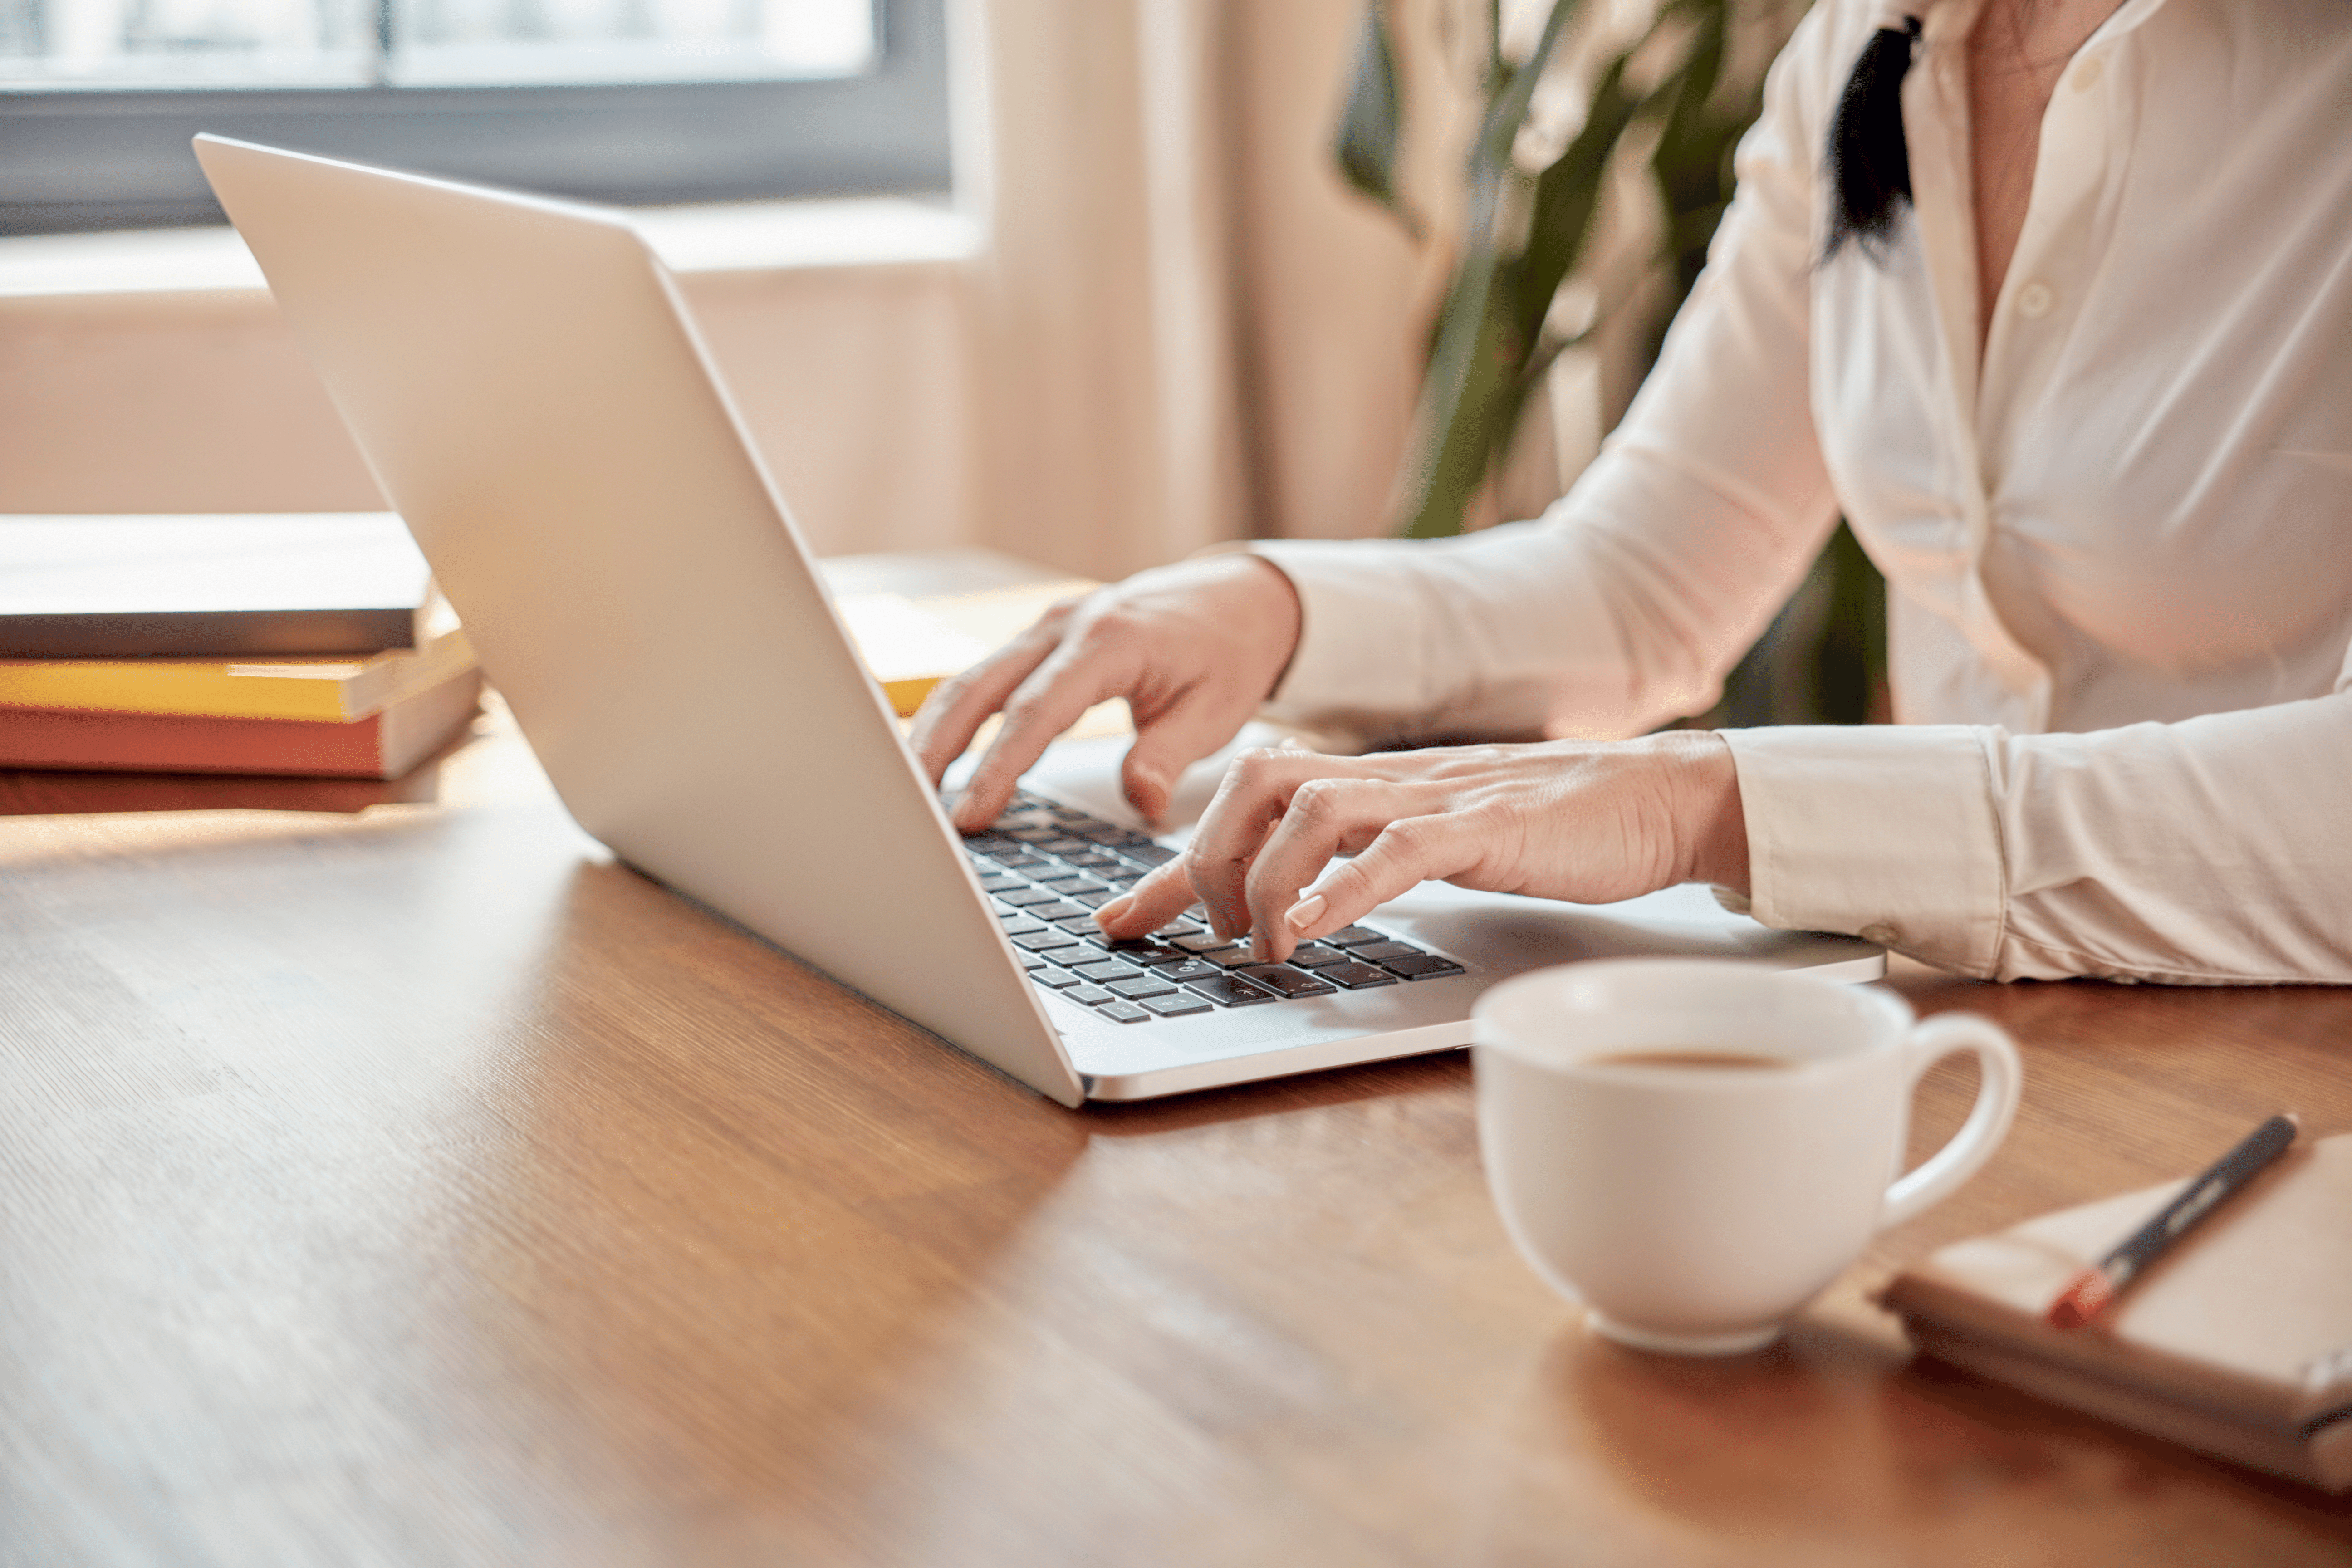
(2118, 548)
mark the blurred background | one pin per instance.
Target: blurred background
(1095, 282)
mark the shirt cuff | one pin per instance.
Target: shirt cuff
(1360, 636)
(1884, 832)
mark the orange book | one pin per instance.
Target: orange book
(383, 745)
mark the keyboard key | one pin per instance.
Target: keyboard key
(1054, 979)
(1422, 966)
(1176, 1005)
(1087, 995)
(1142, 985)
(1231, 991)
(1315, 955)
(1027, 897)
(1231, 957)
(1288, 981)
(1030, 961)
(1054, 909)
(1074, 885)
(1123, 1012)
(1175, 929)
(1354, 936)
(1067, 845)
(1381, 951)
(1148, 953)
(1204, 942)
(1094, 901)
(1045, 941)
(1018, 924)
(1080, 925)
(1021, 862)
(1148, 855)
(1003, 882)
(1094, 862)
(1356, 976)
(1190, 968)
(1104, 972)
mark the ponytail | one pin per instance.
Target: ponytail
(1869, 163)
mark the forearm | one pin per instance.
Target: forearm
(1619, 611)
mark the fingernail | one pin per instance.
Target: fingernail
(1115, 910)
(1306, 911)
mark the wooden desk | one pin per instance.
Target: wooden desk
(416, 1186)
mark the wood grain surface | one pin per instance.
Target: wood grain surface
(411, 1184)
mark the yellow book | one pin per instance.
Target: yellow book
(336, 691)
(913, 645)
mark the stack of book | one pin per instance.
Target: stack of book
(277, 644)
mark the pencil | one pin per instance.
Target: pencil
(2089, 1293)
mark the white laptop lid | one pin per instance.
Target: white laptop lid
(636, 589)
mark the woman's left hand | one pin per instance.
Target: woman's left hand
(1590, 822)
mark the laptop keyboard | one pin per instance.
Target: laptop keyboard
(1047, 869)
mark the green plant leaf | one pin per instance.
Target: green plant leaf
(1567, 194)
(1471, 397)
(1372, 123)
(1509, 112)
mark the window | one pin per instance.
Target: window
(621, 101)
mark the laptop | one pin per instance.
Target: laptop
(529, 389)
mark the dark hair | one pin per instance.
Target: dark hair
(1869, 163)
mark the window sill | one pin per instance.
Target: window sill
(719, 237)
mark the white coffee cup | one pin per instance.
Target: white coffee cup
(1692, 1209)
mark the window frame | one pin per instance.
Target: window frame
(76, 159)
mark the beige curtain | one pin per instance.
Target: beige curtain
(1185, 329)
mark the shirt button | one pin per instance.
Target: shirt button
(1882, 933)
(2086, 75)
(2033, 300)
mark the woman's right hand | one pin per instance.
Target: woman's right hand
(1194, 647)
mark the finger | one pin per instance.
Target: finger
(1151, 903)
(1171, 740)
(1064, 686)
(1326, 818)
(956, 708)
(1408, 852)
(1251, 799)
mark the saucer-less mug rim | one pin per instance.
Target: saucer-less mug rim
(1639, 983)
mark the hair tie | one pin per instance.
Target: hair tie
(1869, 161)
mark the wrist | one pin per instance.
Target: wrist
(1711, 824)
(1286, 617)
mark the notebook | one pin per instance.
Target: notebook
(2237, 1342)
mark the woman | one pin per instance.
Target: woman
(2069, 341)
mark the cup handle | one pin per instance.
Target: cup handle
(1989, 1118)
